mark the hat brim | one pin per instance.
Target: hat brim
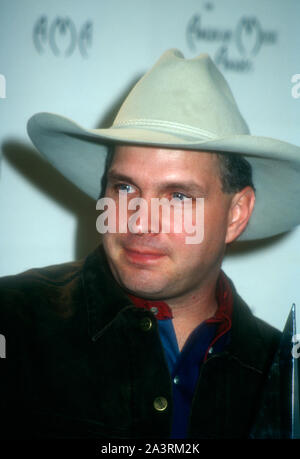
(80, 155)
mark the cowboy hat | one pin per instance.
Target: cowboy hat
(182, 104)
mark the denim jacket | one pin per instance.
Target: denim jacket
(83, 361)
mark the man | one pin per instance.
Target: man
(147, 337)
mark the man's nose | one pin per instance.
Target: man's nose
(139, 221)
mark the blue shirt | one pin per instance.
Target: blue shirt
(210, 336)
(184, 367)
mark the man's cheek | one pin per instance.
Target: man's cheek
(191, 221)
(110, 244)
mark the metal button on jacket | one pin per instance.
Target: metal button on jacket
(176, 380)
(160, 403)
(146, 323)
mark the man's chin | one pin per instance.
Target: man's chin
(148, 292)
(146, 280)
(150, 289)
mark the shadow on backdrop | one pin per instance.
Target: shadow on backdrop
(239, 248)
(43, 176)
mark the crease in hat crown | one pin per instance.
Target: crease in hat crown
(182, 96)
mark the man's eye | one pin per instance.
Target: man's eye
(180, 196)
(123, 187)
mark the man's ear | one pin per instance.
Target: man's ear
(241, 208)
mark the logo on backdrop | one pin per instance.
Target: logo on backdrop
(61, 36)
(296, 87)
(237, 46)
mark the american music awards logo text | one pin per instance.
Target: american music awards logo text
(237, 46)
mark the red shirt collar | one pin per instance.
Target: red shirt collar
(159, 308)
(223, 314)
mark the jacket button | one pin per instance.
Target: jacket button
(146, 323)
(160, 403)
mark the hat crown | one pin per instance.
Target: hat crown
(188, 95)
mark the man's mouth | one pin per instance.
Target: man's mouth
(143, 255)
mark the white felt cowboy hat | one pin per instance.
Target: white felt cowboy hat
(184, 104)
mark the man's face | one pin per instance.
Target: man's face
(159, 265)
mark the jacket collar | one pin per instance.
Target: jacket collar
(105, 300)
(250, 337)
(104, 297)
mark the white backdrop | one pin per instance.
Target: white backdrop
(79, 59)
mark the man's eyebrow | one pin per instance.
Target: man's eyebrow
(185, 186)
(114, 175)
